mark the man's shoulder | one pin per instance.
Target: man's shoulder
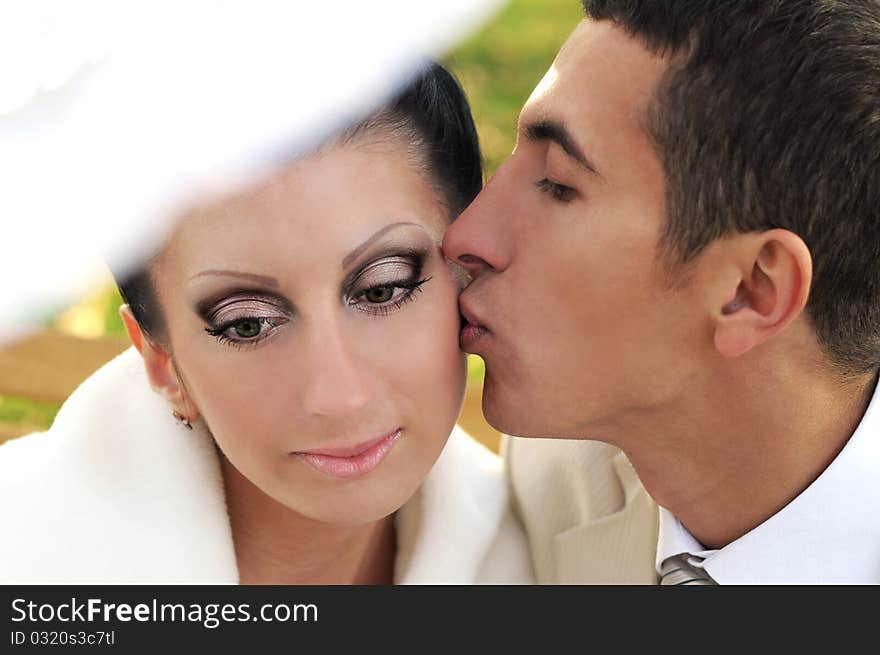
(586, 513)
(552, 449)
(565, 468)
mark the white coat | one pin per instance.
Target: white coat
(116, 492)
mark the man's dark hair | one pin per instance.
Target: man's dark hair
(769, 117)
(431, 115)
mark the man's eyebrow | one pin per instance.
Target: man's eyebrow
(556, 132)
(354, 254)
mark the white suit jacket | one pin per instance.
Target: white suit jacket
(117, 492)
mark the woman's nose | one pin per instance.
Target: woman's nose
(337, 383)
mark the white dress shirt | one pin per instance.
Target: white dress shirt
(829, 534)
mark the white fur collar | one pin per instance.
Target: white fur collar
(117, 492)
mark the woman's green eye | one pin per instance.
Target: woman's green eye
(247, 329)
(379, 294)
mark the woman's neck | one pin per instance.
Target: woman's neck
(275, 545)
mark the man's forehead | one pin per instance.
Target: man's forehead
(602, 78)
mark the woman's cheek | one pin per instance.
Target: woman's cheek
(244, 406)
(442, 367)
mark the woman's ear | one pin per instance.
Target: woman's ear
(775, 271)
(159, 366)
(132, 327)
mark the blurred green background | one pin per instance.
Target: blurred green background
(498, 66)
(501, 64)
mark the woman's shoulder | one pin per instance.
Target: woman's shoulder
(31, 454)
(91, 415)
(21, 459)
(133, 497)
(508, 559)
(459, 527)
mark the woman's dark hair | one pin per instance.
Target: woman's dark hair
(769, 117)
(431, 115)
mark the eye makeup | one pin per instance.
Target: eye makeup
(389, 277)
(243, 317)
(387, 282)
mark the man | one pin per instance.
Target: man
(681, 259)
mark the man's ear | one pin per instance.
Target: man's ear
(774, 271)
(160, 368)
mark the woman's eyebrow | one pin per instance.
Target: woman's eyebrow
(250, 277)
(354, 254)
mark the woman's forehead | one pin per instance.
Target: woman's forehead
(326, 203)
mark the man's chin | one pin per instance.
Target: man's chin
(516, 414)
(507, 414)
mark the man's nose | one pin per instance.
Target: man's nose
(337, 381)
(476, 239)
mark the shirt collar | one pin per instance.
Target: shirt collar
(829, 534)
(674, 539)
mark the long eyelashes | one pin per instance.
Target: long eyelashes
(252, 330)
(385, 285)
(402, 292)
(246, 331)
(246, 319)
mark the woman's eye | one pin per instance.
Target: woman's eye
(384, 299)
(245, 331)
(556, 191)
(379, 294)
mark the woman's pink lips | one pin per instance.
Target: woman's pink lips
(351, 462)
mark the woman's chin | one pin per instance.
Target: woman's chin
(346, 509)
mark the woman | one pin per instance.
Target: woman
(304, 335)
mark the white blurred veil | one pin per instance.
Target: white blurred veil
(113, 113)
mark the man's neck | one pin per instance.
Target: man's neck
(737, 450)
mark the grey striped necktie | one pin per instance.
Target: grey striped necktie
(678, 570)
